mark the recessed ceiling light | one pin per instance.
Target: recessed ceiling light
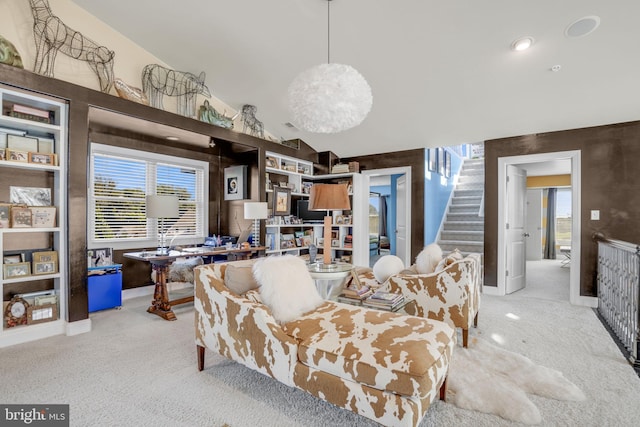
(582, 26)
(172, 138)
(522, 43)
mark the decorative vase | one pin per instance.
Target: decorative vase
(313, 252)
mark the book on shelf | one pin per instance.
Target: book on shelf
(385, 296)
(31, 117)
(31, 110)
(348, 300)
(340, 168)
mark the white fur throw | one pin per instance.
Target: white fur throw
(428, 259)
(387, 266)
(181, 270)
(286, 287)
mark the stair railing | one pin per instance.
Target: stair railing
(619, 292)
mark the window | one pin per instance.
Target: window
(563, 217)
(121, 179)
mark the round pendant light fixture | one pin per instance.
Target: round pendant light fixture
(329, 98)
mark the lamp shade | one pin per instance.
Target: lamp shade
(326, 197)
(256, 210)
(162, 206)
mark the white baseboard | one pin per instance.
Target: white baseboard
(586, 301)
(79, 327)
(491, 290)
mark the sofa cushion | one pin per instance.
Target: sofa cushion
(286, 286)
(239, 279)
(387, 351)
(428, 258)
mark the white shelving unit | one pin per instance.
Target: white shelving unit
(297, 172)
(14, 173)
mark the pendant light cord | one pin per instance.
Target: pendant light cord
(328, 31)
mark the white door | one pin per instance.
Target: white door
(401, 219)
(534, 224)
(515, 248)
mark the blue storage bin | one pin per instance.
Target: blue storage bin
(105, 290)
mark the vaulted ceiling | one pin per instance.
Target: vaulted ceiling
(441, 72)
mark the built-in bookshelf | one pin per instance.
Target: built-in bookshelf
(33, 242)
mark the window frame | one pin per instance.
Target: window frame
(152, 160)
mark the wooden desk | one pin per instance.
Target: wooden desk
(161, 305)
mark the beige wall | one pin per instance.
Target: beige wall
(16, 25)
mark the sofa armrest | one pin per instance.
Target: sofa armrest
(239, 329)
(450, 295)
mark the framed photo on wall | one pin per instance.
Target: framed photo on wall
(281, 201)
(440, 152)
(235, 182)
(447, 164)
(432, 161)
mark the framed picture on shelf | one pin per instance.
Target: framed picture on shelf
(41, 313)
(99, 257)
(42, 158)
(432, 162)
(235, 182)
(21, 217)
(45, 256)
(45, 267)
(43, 216)
(447, 164)
(17, 156)
(18, 269)
(3, 153)
(22, 143)
(30, 196)
(271, 162)
(281, 201)
(5, 215)
(12, 259)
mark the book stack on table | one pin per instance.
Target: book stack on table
(355, 296)
(384, 301)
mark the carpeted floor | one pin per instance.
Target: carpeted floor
(136, 369)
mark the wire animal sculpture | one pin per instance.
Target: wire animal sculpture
(9, 54)
(208, 114)
(250, 122)
(53, 36)
(158, 81)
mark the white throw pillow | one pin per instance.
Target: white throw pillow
(428, 259)
(387, 266)
(286, 287)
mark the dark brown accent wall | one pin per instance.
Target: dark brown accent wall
(415, 160)
(610, 183)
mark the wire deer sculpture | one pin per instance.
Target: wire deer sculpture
(158, 81)
(250, 122)
(53, 36)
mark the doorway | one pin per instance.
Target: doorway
(574, 279)
(398, 205)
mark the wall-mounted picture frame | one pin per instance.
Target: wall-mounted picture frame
(43, 216)
(18, 269)
(440, 152)
(235, 182)
(99, 257)
(281, 201)
(30, 196)
(447, 164)
(432, 160)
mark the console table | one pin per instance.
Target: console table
(161, 305)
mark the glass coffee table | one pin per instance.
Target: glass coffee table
(330, 278)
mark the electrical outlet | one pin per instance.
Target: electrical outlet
(595, 215)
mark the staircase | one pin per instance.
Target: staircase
(463, 227)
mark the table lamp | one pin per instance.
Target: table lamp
(162, 207)
(328, 197)
(256, 211)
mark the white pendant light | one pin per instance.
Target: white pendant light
(329, 98)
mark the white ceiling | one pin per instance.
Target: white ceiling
(441, 72)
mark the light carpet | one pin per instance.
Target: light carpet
(135, 368)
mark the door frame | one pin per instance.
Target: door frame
(404, 170)
(576, 179)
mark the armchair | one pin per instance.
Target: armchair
(451, 295)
